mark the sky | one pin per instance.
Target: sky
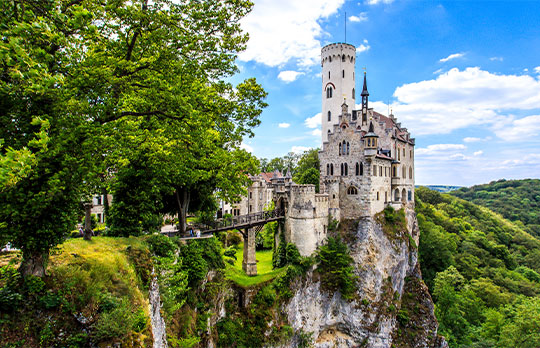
(462, 76)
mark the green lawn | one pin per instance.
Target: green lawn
(264, 269)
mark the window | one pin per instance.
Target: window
(347, 148)
(410, 172)
(250, 195)
(331, 169)
(398, 155)
(327, 169)
(410, 153)
(404, 172)
(353, 93)
(403, 152)
(330, 59)
(394, 172)
(380, 171)
(343, 58)
(346, 169)
(329, 75)
(377, 195)
(329, 116)
(329, 92)
(385, 173)
(343, 73)
(409, 195)
(342, 171)
(357, 169)
(374, 170)
(340, 149)
(361, 169)
(250, 208)
(352, 191)
(98, 217)
(98, 200)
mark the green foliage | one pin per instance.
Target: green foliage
(310, 176)
(265, 238)
(10, 280)
(161, 245)
(516, 200)
(480, 268)
(199, 256)
(334, 265)
(230, 252)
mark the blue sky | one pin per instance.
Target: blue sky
(462, 76)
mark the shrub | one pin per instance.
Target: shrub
(230, 252)
(334, 266)
(161, 245)
(10, 297)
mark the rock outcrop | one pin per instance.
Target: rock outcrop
(391, 307)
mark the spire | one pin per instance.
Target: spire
(364, 89)
(371, 130)
(288, 175)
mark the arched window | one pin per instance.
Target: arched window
(374, 170)
(394, 172)
(329, 116)
(403, 195)
(331, 169)
(329, 75)
(380, 170)
(409, 195)
(348, 148)
(329, 92)
(361, 168)
(329, 131)
(396, 195)
(346, 169)
(340, 149)
(327, 169)
(404, 172)
(343, 73)
(357, 169)
(377, 195)
(410, 172)
(352, 191)
(353, 93)
(330, 59)
(343, 58)
(342, 171)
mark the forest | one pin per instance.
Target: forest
(483, 272)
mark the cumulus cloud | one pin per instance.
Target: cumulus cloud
(313, 122)
(246, 147)
(363, 47)
(300, 149)
(478, 153)
(362, 17)
(537, 70)
(438, 149)
(475, 140)
(523, 128)
(462, 98)
(450, 57)
(284, 125)
(289, 75)
(295, 36)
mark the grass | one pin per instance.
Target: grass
(264, 269)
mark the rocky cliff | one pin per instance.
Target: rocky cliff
(391, 306)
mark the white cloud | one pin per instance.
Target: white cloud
(438, 149)
(531, 159)
(362, 17)
(289, 75)
(300, 149)
(475, 140)
(537, 70)
(246, 147)
(459, 99)
(316, 132)
(478, 153)
(500, 59)
(313, 122)
(452, 56)
(375, 2)
(284, 30)
(363, 47)
(438, 71)
(284, 125)
(523, 128)
(526, 70)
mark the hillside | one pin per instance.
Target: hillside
(516, 200)
(483, 273)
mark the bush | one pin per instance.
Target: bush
(161, 245)
(10, 279)
(230, 252)
(334, 266)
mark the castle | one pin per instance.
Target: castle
(366, 162)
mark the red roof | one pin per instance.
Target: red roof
(268, 176)
(380, 155)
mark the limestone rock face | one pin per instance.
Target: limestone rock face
(386, 264)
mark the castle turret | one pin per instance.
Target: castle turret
(370, 141)
(337, 62)
(365, 95)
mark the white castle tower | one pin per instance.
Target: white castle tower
(338, 80)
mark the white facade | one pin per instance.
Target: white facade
(338, 82)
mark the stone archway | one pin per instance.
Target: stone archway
(396, 195)
(404, 196)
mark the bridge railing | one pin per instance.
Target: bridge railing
(242, 220)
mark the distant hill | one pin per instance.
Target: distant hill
(482, 270)
(516, 200)
(440, 188)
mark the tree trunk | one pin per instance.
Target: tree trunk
(34, 263)
(182, 198)
(87, 221)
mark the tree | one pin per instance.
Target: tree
(109, 77)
